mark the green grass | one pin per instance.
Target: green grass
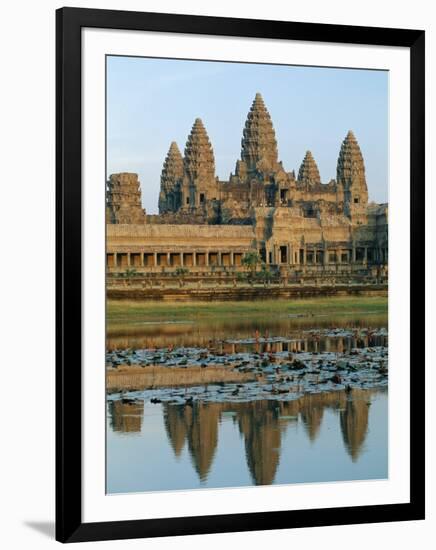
(124, 312)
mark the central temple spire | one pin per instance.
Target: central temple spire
(259, 145)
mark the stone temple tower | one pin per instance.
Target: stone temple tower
(259, 145)
(170, 180)
(309, 173)
(123, 199)
(350, 174)
(199, 182)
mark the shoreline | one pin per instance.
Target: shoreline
(257, 361)
(130, 311)
(134, 378)
(223, 294)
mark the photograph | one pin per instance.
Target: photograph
(217, 294)
(247, 270)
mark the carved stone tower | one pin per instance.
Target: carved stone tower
(123, 199)
(170, 181)
(309, 173)
(259, 145)
(199, 183)
(350, 174)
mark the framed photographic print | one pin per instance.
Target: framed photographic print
(240, 281)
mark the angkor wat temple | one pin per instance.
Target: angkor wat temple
(294, 221)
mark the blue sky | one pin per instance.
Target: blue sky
(151, 102)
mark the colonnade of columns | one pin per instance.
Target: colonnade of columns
(286, 254)
(175, 259)
(308, 254)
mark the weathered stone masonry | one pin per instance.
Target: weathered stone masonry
(297, 224)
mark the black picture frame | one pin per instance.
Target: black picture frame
(69, 525)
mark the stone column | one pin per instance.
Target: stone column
(232, 258)
(115, 260)
(155, 258)
(182, 259)
(207, 257)
(142, 259)
(326, 254)
(220, 259)
(290, 255)
(194, 258)
(128, 259)
(304, 255)
(168, 259)
(353, 254)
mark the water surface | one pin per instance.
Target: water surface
(332, 436)
(286, 426)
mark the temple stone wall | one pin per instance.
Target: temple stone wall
(123, 199)
(296, 224)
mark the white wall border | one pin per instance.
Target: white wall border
(97, 506)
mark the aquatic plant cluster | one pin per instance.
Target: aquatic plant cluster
(278, 368)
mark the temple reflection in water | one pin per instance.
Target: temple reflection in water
(185, 334)
(262, 424)
(198, 425)
(126, 416)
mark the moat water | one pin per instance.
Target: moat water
(292, 426)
